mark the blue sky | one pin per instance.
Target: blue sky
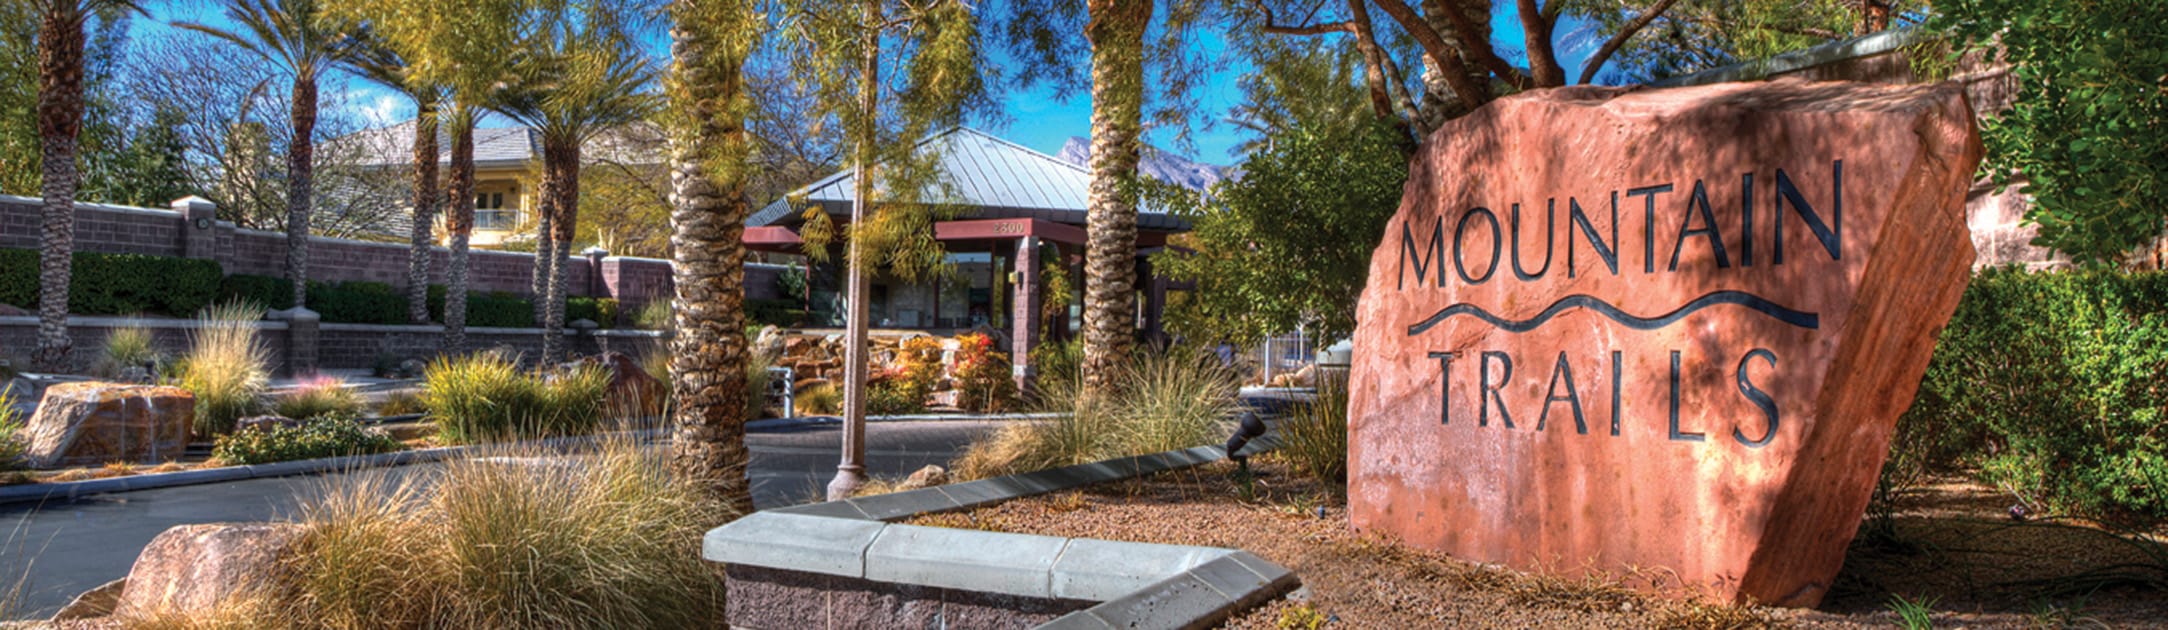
(1036, 117)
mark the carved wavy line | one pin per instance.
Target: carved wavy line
(1808, 321)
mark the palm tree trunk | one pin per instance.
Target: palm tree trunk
(425, 210)
(560, 169)
(707, 219)
(544, 244)
(460, 224)
(300, 185)
(1110, 258)
(60, 121)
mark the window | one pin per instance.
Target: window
(490, 213)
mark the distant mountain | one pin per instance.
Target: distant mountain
(1157, 164)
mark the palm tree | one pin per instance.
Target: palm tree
(60, 121)
(1116, 32)
(298, 35)
(710, 41)
(589, 77)
(380, 64)
(467, 47)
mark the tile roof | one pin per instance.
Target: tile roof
(998, 178)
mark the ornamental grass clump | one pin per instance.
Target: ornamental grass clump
(227, 367)
(487, 397)
(1313, 436)
(1160, 402)
(521, 539)
(12, 444)
(316, 397)
(127, 347)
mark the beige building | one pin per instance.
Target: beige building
(507, 171)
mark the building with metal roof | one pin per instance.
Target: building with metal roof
(1022, 222)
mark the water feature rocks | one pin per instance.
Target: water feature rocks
(88, 424)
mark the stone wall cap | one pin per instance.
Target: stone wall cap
(1101, 570)
(798, 542)
(989, 562)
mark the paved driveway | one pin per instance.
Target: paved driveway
(72, 547)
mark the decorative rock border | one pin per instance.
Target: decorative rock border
(846, 558)
(72, 490)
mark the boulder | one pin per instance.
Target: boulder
(632, 390)
(190, 569)
(91, 423)
(927, 477)
(1658, 332)
(769, 344)
(94, 603)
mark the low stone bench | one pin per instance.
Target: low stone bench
(839, 565)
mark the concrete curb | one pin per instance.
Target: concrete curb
(802, 421)
(72, 490)
(1139, 585)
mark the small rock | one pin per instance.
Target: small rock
(927, 477)
(94, 603)
(583, 324)
(191, 569)
(412, 368)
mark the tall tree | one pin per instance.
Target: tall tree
(60, 121)
(710, 154)
(307, 41)
(381, 64)
(845, 47)
(469, 49)
(1115, 36)
(587, 75)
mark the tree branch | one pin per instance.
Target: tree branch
(1536, 24)
(1595, 62)
(1450, 65)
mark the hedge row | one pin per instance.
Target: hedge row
(2052, 384)
(116, 284)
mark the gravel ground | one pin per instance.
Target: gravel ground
(1950, 552)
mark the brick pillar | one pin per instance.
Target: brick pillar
(595, 286)
(301, 340)
(1025, 306)
(199, 227)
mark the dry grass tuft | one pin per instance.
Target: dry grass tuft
(244, 612)
(1162, 401)
(320, 396)
(521, 540)
(487, 397)
(227, 368)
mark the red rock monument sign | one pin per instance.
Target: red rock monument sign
(1665, 331)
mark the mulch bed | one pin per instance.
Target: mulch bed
(1959, 550)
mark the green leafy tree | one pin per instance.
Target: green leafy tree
(1287, 246)
(306, 40)
(845, 48)
(2087, 132)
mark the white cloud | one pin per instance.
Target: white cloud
(380, 112)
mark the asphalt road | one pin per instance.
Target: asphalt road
(70, 547)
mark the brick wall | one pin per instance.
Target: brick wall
(160, 232)
(18, 335)
(357, 346)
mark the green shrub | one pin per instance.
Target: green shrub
(12, 445)
(318, 397)
(655, 315)
(358, 303)
(891, 396)
(598, 310)
(116, 284)
(2051, 383)
(227, 367)
(272, 292)
(329, 436)
(1056, 361)
(19, 277)
(487, 397)
(496, 309)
